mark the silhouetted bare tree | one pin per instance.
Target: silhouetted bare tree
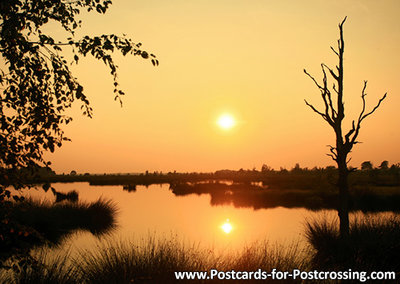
(334, 115)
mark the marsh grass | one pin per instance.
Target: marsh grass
(55, 221)
(44, 268)
(373, 243)
(158, 259)
(149, 260)
(154, 260)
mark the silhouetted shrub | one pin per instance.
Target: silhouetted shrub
(55, 221)
(373, 244)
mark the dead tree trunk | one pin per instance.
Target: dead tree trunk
(343, 208)
(333, 114)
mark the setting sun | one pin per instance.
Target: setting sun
(226, 121)
(227, 227)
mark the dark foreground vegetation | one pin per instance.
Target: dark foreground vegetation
(372, 246)
(54, 220)
(34, 223)
(154, 261)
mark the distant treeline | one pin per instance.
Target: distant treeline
(296, 178)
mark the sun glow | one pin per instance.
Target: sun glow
(227, 227)
(226, 121)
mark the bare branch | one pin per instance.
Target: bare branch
(338, 44)
(341, 40)
(332, 109)
(331, 71)
(334, 51)
(341, 24)
(333, 151)
(351, 131)
(314, 109)
(376, 107)
(363, 115)
(326, 96)
(363, 94)
(333, 158)
(312, 78)
(334, 88)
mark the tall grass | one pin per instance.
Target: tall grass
(158, 259)
(154, 260)
(37, 222)
(44, 268)
(373, 243)
(33, 223)
(54, 221)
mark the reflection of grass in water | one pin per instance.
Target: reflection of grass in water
(373, 243)
(55, 221)
(154, 260)
(72, 196)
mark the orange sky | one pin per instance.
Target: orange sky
(245, 58)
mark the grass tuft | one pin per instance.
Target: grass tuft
(56, 220)
(156, 260)
(373, 243)
(44, 267)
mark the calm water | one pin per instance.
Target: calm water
(156, 210)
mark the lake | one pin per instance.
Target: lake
(156, 210)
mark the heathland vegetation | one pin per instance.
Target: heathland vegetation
(153, 260)
(34, 223)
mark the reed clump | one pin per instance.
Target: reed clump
(154, 260)
(373, 243)
(56, 220)
(158, 259)
(42, 267)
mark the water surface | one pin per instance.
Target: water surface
(156, 210)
